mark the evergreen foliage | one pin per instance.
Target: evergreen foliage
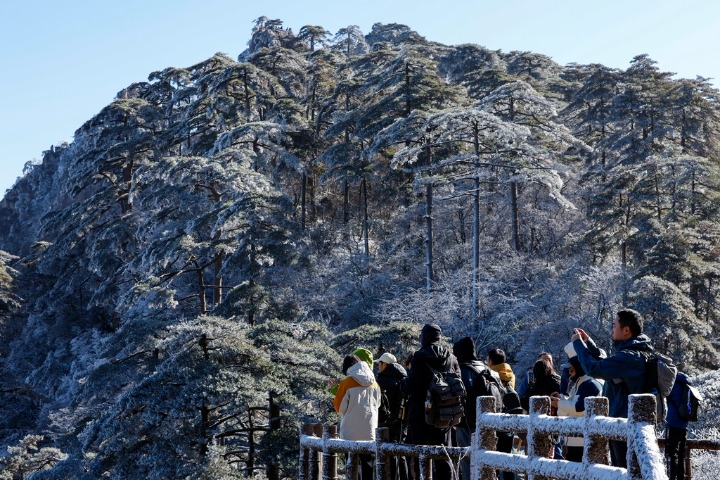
(184, 278)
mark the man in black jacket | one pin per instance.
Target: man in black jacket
(389, 378)
(431, 354)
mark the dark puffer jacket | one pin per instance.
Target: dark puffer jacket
(389, 381)
(624, 372)
(432, 354)
(470, 368)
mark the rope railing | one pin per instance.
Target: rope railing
(319, 445)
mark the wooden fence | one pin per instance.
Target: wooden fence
(319, 445)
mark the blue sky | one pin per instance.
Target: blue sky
(63, 61)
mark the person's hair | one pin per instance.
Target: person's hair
(348, 362)
(548, 355)
(408, 360)
(497, 356)
(631, 319)
(542, 369)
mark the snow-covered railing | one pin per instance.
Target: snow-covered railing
(643, 455)
(319, 445)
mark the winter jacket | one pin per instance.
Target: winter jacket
(506, 374)
(415, 385)
(389, 381)
(540, 387)
(624, 372)
(678, 399)
(573, 405)
(469, 371)
(358, 400)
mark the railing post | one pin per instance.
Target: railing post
(352, 466)
(316, 455)
(482, 439)
(642, 409)
(540, 444)
(596, 446)
(425, 467)
(382, 460)
(329, 461)
(305, 429)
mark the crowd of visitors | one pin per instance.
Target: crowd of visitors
(396, 396)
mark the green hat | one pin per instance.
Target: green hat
(365, 355)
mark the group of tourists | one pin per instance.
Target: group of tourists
(396, 396)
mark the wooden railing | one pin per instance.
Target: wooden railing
(319, 445)
(690, 445)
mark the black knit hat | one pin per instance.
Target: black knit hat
(430, 334)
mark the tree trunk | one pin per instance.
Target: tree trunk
(366, 235)
(252, 308)
(251, 445)
(272, 470)
(429, 274)
(515, 216)
(476, 224)
(302, 200)
(708, 303)
(127, 172)
(201, 287)
(408, 103)
(311, 193)
(246, 87)
(346, 202)
(461, 221)
(205, 428)
(692, 193)
(218, 280)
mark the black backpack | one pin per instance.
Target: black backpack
(691, 408)
(485, 384)
(445, 399)
(511, 401)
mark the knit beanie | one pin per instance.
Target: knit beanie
(365, 355)
(430, 334)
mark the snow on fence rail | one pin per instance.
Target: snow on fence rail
(319, 445)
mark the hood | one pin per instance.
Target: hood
(464, 349)
(430, 334)
(641, 343)
(362, 374)
(394, 371)
(504, 371)
(364, 355)
(434, 355)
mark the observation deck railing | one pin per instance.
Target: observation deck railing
(319, 445)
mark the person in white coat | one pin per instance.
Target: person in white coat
(358, 400)
(573, 404)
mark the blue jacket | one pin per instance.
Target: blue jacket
(624, 372)
(679, 398)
